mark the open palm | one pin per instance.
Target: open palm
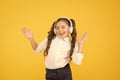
(81, 40)
(27, 33)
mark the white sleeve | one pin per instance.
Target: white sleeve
(41, 46)
(77, 57)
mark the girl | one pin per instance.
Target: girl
(60, 48)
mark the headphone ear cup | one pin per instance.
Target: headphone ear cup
(54, 30)
(70, 29)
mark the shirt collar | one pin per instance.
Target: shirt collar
(65, 39)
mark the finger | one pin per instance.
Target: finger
(22, 29)
(85, 36)
(28, 29)
(79, 39)
(25, 29)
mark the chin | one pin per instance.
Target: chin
(64, 36)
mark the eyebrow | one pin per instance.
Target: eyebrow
(60, 26)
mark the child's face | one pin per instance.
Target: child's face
(62, 29)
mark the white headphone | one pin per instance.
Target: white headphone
(70, 28)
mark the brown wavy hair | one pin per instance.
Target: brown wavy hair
(52, 35)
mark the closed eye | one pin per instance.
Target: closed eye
(57, 27)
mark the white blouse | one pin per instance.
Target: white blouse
(58, 54)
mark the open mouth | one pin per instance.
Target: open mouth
(62, 33)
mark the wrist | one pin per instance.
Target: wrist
(80, 45)
(31, 39)
(80, 48)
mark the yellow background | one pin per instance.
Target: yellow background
(100, 18)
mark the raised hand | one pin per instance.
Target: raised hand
(81, 41)
(27, 33)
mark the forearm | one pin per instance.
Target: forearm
(33, 43)
(80, 42)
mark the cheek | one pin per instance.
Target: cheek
(67, 30)
(57, 31)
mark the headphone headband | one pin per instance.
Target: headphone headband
(71, 25)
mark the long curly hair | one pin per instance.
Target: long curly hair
(52, 35)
